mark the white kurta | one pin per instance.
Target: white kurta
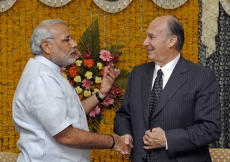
(45, 104)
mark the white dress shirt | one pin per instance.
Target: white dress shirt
(166, 69)
(45, 104)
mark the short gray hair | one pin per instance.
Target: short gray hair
(176, 28)
(41, 33)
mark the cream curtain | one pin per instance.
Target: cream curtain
(112, 6)
(6, 4)
(169, 4)
(55, 3)
(210, 13)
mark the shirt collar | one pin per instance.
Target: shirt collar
(47, 63)
(168, 68)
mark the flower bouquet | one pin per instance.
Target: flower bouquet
(87, 72)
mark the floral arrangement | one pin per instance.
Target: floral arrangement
(87, 72)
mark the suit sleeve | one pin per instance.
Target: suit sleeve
(122, 121)
(207, 122)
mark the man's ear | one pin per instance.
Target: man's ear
(46, 46)
(172, 40)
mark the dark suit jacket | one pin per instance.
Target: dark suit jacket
(188, 110)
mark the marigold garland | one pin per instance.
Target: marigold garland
(126, 27)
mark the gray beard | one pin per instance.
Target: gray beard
(64, 62)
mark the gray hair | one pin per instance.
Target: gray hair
(176, 28)
(41, 33)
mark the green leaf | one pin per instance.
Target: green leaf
(94, 123)
(124, 73)
(90, 41)
(122, 79)
(115, 49)
(117, 103)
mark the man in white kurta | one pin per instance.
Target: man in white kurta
(45, 104)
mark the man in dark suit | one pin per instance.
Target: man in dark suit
(186, 118)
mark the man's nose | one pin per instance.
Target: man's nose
(145, 43)
(73, 43)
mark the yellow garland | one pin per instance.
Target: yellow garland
(126, 27)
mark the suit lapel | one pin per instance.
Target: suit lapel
(146, 83)
(176, 80)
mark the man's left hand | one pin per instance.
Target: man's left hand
(154, 139)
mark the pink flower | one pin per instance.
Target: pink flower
(112, 60)
(78, 54)
(86, 83)
(87, 54)
(116, 91)
(115, 58)
(95, 111)
(62, 70)
(108, 101)
(105, 55)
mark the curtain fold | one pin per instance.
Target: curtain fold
(219, 61)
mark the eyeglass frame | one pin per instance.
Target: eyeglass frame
(67, 39)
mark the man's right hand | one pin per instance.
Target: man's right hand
(123, 144)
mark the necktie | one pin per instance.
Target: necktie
(154, 97)
(155, 93)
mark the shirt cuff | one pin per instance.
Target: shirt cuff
(166, 145)
(60, 127)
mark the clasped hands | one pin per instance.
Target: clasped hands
(154, 139)
(123, 144)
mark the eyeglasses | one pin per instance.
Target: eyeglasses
(67, 39)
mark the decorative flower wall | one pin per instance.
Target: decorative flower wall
(126, 27)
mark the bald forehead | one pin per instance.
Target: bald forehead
(159, 25)
(160, 21)
(166, 18)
